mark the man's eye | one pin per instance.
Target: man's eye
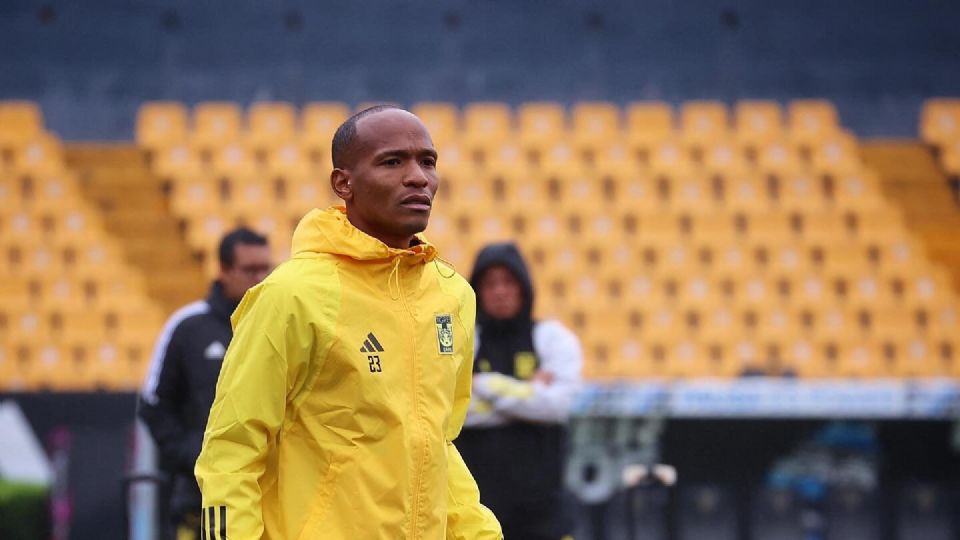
(430, 162)
(391, 161)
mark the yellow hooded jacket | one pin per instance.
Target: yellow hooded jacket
(347, 380)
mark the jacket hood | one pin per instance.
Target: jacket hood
(504, 254)
(329, 231)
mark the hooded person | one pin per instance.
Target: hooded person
(525, 375)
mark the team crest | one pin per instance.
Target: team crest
(445, 334)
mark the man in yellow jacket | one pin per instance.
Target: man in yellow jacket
(349, 373)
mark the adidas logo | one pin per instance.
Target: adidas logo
(371, 345)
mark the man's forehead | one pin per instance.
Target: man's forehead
(391, 127)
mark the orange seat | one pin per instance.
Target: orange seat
(703, 122)
(271, 124)
(940, 121)
(441, 120)
(215, 125)
(20, 122)
(485, 123)
(319, 121)
(540, 124)
(161, 124)
(595, 125)
(810, 120)
(758, 122)
(648, 123)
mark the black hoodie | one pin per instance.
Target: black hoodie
(518, 466)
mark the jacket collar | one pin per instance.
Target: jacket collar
(329, 231)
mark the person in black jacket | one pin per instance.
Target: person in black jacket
(525, 375)
(178, 392)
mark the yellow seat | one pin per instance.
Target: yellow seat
(504, 157)
(271, 124)
(233, 160)
(915, 357)
(581, 191)
(648, 124)
(540, 124)
(637, 194)
(724, 158)
(204, 232)
(41, 155)
(195, 196)
(559, 157)
(690, 195)
(747, 194)
(940, 121)
(441, 120)
(778, 158)
(835, 153)
(485, 123)
(758, 122)
(250, 195)
(860, 359)
(76, 227)
(291, 160)
(810, 120)
(302, 194)
(703, 122)
(30, 259)
(176, 160)
(596, 125)
(319, 121)
(800, 193)
(20, 122)
(807, 358)
(53, 194)
(669, 158)
(215, 125)
(161, 124)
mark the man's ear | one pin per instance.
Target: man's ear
(340, 182)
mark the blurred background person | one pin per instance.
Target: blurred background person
(526, 373)
(179, 389)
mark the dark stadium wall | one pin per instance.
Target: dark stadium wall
(90, 64)
(99, 433)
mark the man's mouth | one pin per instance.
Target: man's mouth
(418, 202)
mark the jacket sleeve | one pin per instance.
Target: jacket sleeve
(561, 356)
(248, 411)
(467, 519)
(158, 406)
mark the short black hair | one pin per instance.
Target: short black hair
(347, 133)
(240, 235)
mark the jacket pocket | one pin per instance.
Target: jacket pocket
(315, 527)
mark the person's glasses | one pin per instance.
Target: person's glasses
(253, 269)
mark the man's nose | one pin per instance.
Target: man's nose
(416, 176)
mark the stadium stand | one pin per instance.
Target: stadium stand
(703, 242)
(74, 315)
(678, 244)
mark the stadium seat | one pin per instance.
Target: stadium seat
(596, 125)
(161, 124)
(648, 123)
(757, 122)
(215, 125)
(20, 123)
(940, 121)
(703, 122)
(270, 124)
(539, 124)
(441, 119)
(319, 121)
(40, 155)
(485, 123)
(811, 120)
